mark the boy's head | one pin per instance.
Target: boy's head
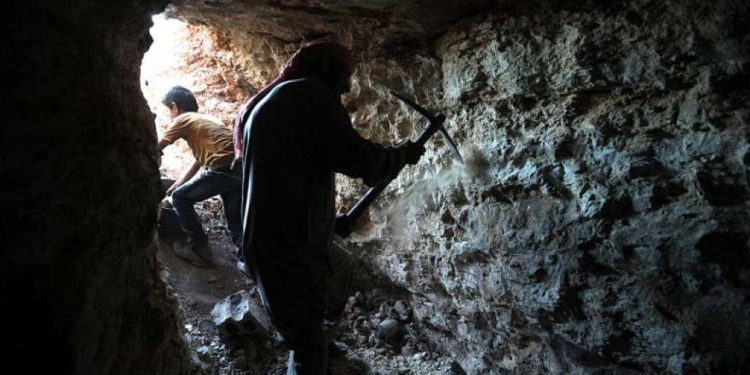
(179, 100)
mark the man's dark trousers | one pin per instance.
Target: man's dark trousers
(224, 182)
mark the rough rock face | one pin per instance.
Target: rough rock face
(602, 221)
(290, 21)
(79, 277)
(599, 225)
(241, 314)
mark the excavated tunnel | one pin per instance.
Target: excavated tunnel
(598, 224)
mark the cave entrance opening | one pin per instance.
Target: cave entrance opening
(202, 60)
(199, 59)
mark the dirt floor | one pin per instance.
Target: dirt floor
(378, 334)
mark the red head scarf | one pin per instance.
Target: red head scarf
(306, 62)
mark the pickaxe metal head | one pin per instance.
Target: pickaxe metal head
(436, 124)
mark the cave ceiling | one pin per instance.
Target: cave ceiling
(378, 22)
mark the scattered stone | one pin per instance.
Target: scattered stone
(387, 329)
(384, 310)
(240, 315)
(402, 310)
(373, 340)
(337, 348)
(359, 324)
(203, 352)
(207, 327)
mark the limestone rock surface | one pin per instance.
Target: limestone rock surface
(241, 314)
(600, 221)
(599, 225)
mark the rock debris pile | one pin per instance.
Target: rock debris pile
(377, 334)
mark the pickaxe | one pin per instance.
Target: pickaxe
(345, 223)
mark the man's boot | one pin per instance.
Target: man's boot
(197, 255)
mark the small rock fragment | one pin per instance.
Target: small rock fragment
(373, 340)
(207, 327)
(402, 310)
(387, 329)
(203, 352)
(338, 347)
(240, 315)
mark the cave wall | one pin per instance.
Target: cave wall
(80, 281)
(599, 224)
(601, 221)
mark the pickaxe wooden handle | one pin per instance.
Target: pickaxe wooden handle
(345, 223)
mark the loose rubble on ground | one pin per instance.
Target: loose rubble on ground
(228, 332)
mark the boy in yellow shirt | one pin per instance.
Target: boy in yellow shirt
(211, 143)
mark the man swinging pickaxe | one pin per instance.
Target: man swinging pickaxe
(345, 223)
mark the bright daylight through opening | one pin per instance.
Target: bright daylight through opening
(197, 58)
